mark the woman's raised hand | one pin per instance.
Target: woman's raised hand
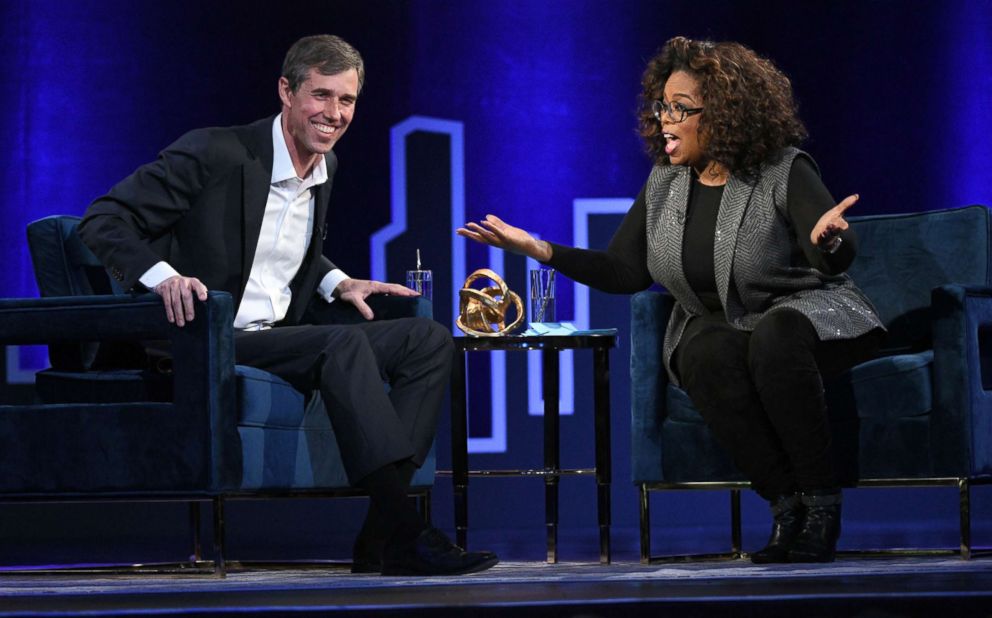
(494, 231)
(826, 232)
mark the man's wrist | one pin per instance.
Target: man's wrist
(157, 274)
(328, 286)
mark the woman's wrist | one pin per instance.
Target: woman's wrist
(832, 245)
(542, 251)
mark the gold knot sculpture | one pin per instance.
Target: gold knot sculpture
(482, 312)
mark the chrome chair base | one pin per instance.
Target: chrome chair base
(966, 550)
(220, 565)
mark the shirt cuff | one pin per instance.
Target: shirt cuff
(157, 274)
(329, 282)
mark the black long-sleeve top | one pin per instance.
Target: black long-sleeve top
(622, 267)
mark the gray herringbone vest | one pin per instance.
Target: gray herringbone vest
(752, 256)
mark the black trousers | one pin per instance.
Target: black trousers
(349, 364)
(761, 394)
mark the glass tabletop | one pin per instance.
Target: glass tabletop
(597, 338)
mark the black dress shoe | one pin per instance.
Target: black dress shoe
(432, 553)
(359, 565)
(817, 541)
(366, 556)
(788, 514)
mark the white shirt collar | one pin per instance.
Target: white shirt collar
(282, 164)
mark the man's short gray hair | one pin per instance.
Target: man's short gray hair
(326, 53)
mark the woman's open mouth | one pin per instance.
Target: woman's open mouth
(672, 142)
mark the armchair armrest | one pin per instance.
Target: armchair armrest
(649, 313)
(203, 351)
(384, 307)
(69, 319)
(961, 424)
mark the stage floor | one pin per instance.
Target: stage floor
(849, 587)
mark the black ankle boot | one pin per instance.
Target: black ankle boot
(817, 541)
(788, 515)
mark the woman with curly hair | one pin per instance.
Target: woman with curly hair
(736, 224)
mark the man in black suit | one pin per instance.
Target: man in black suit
(243, 209)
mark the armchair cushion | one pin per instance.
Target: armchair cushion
(281, 458)
(287, 444)
(291, 445)
(266, 400)
(680, 407)
(886, 388)
(689, 453)
(105, 386)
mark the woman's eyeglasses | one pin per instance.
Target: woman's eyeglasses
(676, 111)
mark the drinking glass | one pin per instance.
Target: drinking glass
(421, 281)
(542, 295)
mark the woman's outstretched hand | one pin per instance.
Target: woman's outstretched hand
(826, 232)
(494, 231)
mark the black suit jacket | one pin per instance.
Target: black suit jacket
(199, 207)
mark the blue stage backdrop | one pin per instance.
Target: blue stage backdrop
(523, 109)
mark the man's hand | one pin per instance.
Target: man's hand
(355, 291)
(177, 294)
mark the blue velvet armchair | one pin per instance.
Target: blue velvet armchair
(919, 414)
(110, 423)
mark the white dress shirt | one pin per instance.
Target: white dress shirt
(287, 229)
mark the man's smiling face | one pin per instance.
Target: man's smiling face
(318, 113)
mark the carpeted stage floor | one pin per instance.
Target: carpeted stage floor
(868, 587)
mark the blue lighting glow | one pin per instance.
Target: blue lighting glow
(967, 149)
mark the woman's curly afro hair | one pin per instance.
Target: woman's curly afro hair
(750, 113)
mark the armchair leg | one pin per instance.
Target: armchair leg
(194, 526)
(645, 524)
(220, 567)
(736, 549)
(964, 502)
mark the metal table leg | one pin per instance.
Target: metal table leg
(604, 475)
(552, 463)
(459, 447)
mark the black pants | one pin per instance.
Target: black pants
(761, 394)
(348, 364)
